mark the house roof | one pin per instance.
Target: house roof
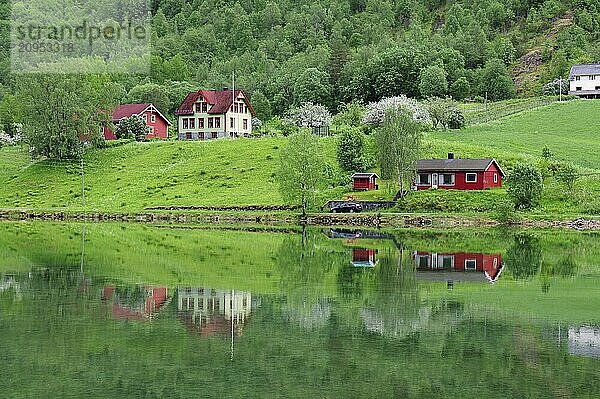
(364, 175)
(456, 165)
(220, 100)
(584, 69)
(128, 110)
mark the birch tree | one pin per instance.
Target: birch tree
(398, 143)
(300, 169)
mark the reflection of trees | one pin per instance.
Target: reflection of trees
(393, 307)
(524, 257)
(306, 263)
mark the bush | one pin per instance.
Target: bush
(525, 186)
(567, 174)
(133, 127)
(350, 149)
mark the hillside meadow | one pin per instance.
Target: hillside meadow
(136, 176)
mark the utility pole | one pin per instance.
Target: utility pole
(82, 184)
(560, 89)
(234, 132)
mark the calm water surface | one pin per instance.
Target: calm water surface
(112, 310)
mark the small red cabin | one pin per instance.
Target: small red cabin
(458, 174)
(363, 257)
(156, 123)
(364, 181)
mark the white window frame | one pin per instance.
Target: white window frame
(420, 182)
(453, 179)
(150, 130)
(495, 178)
(443, 258)
(418, 259)
(152, 118)
(577, 77)
(592, 77)
(467, 177)
(470, 261)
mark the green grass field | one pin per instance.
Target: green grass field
(135, 176)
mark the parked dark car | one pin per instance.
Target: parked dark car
(347, 207)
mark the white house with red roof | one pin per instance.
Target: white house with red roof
(214, 114)
(156, 123)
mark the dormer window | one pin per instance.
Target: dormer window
(592, 77)
(204, 108)
(577, 78)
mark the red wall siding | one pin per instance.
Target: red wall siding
(484, 180)
(363, 184)
(160, 128)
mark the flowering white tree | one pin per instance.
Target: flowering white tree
(556, 87)
(375, 114)
(8, 140)
(310, 115)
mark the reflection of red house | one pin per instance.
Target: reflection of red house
(458, 174)
(156, 123)
(447, 266)
(362, 257)
(364, 181)
(126, 307)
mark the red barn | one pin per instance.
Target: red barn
(458, 174)
(156, 123)
(446, 265)
(364, 181)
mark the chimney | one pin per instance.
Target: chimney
(225, 88)
(450, 155)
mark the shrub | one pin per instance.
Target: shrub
(525, 186)
(350, 148)
(567, 174)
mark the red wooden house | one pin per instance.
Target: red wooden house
(364, 181)
(140, 309)
(459, 265)
(157, 124)
(458, 174)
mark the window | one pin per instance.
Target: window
(470, 264)
(188, 135)
(424, 179)
(211, 123)
(446, 263)
(152, 118)
(200, 123)
(204, 108)
(423, 261)
(150, 130)
(471, 177)
(245, 109)
(597, 88)
(447, 179)
(245, 124)
(199, 108)
(214, 135)
(192, 123)
(495, 178)
(232, 122)
(578, 88)
(185, 123)
(591, 77)
(201, 136)
(577, 77)
(217, 122)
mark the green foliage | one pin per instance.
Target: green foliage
(496, 81)
(261, 105)
(398, 143)
(525, 186)
(151, 93)
(131, 128)
(524, 257)
(350, 150)
(350, 114)
(432, 82)
(460, 89)
(567, 174)
(445, 113)
(59, 109)
(300, 170)
(312, 86)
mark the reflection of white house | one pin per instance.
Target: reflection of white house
(584, 341)
(9, 282)
(212, 311)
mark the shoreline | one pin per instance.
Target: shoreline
(283, 218)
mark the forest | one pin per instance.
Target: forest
(334, 52)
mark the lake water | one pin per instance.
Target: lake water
(111, 310)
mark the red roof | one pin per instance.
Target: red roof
(220, 100)
(128, 110)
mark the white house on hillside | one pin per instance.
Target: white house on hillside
(213, 114)
(584, 80)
